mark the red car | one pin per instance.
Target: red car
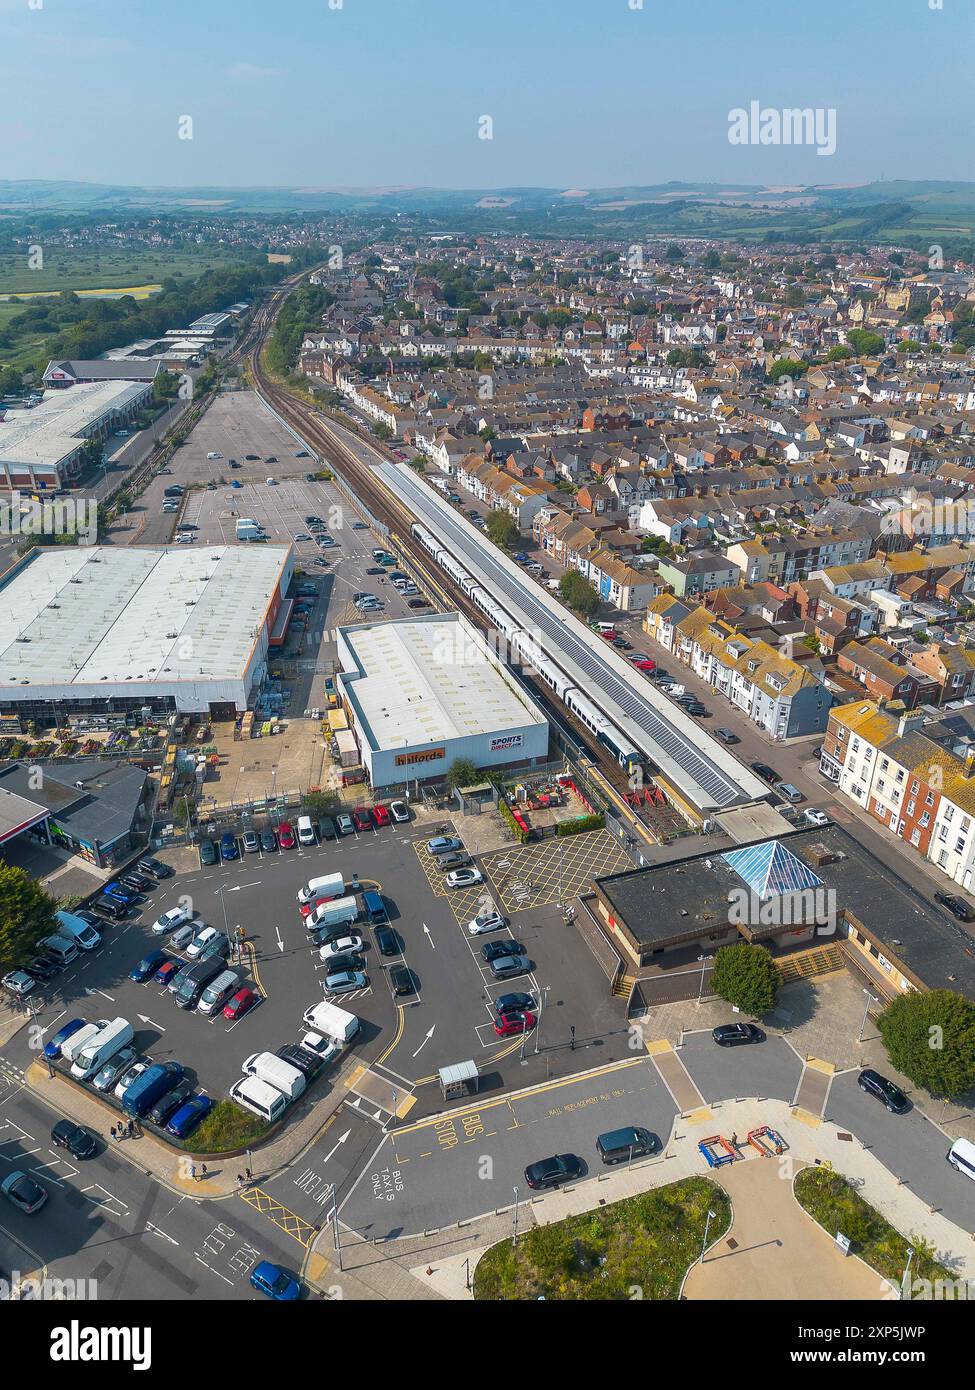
(362, 818)
(507, 1024)
(286, 836)
(239, 1003)
(166, 971)
(643, 663)
(380, 815)
(306, 909)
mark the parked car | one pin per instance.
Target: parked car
(488, 919)
(326, 828)
(130, 1077)
(275, 1282)
(18, 983)
(165, 973)
(79, 1142)
(238, 1004)
(733, 1034)
(208, 853)
(182, 936)
(885, 1091)
(767, 774)
(201, 941)
(154, 867)
(228, 847)
(361, 818)
(345, 980)
(514, 1003)
(170, 920)
(813, 817)
(456, 859)
(401, 980)
(727, 736)
(552, 1172)
(442, 844)
(21, 1189)
(114, 1068)
(127, 896)
(399, 811)
(188, 1116)
(387, 941)
(138, 882)
(170, 1103)
(380, 815)
(343, 824)
(956, 905)
(340, 947)
(268, 841)
(463, 878)
(250, 842)
(42, 968)
(52, 1048)
(286, 835)
(147, 966)
(509, 1024)
(494, 950)
(507, 967)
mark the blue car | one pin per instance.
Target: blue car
(147, 966)
(228, 847)
(123, 894)
(274, 1281)
(188, 1116)
(52, 1050)
(234, 483)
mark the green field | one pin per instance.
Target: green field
(26, 347)
(66, 269)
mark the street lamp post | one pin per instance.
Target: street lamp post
(704, 966)
(905, 1283)
(514, 1240)
(542, 999)
(711, 1216)
(871, 999)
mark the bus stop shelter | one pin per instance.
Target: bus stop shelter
(459, 1079)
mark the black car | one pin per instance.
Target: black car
(695, 708)
(269, 841)
(91, 918)
(732, 1034)
(299, 1057)
(140, 882)
(552, 1172)
(767, 774)
(494, 950)
(401, 980)
(351, 960)
(43, 967)
(387, 941)
(326, 828)
(883, 1090)
(375, 569)
(219, 946)
(154, 868)
(208, 853)
(170, 1103)
(251, 458)
(79, 1142)
(956, 905)
(272, 458)
(418, 603)
(726, 736)
(514, 1003)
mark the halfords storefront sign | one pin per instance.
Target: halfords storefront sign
(506, 743)
(428, 755)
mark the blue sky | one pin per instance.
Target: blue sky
(582, 93)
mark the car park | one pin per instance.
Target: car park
(889, 1095)
(240, 1003)
(79, 1142)
(552, 1172)
(208, 853)
(18, 983)
(147, 966)
(275, 1282)
(170, 920)
(443, 843)
(228, 847)
(250, 842)
(734, 1034)
(510, 1024)
(21, 1189)
(114, 1068)
(956, 905)
(463, 878)
(52, 1048)
(286, 835)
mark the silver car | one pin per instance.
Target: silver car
(114, 1068)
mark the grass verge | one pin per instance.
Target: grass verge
(226, 1127)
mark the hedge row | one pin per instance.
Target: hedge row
(520, 835)
(576, 827)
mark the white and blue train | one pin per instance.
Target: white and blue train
(528, 649)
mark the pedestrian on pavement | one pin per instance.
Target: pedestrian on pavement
(203, 1170)
(132, 1129)
(114, 1132)
(193, 1171)
(734, 1139)
(240, 1179)
(248, 1172)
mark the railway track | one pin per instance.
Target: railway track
(393, 513)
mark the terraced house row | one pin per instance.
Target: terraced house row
(914, 773)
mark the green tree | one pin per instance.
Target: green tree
(786, 366)
(381, 430)
(864, 343)
(578, 593)
(461, 773)
(931, 1039)
(26, 915)
(746, 976)
(839, 353)
(317, 803)
(502, 528)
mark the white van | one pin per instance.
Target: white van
(276, 1072)
(321, 889)
(77, 929)
(306, 831)
(214, 455)
(73, 1047)
(961, 1155)
(102, 1048)
(340, 912)
(217, 992)
(259, 1098)
(63, 949)
(331, 1021)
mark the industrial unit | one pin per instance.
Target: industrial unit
(422, 692)
(42, 448)
(111, 629)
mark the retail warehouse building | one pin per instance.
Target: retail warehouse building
(100, 630)
(421, 693)
(43, 448)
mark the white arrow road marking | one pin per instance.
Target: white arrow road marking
(158, 1232)
(340, 1142)
(143, 1019)
(426, 931)
(425, 1041)
(280, 942)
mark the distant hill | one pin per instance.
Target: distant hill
(917, 213)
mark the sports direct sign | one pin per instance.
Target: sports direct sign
(506, 743)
